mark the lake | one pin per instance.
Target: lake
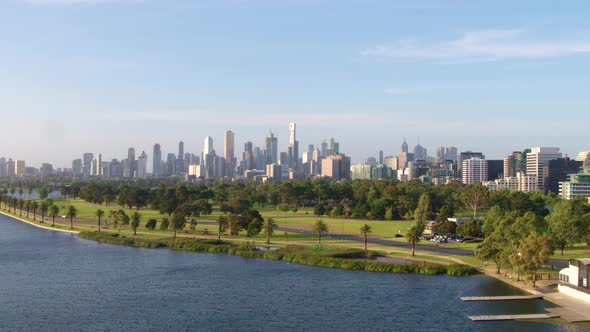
(52, 281)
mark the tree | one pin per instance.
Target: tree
(319, 210)
(135, 219)
(365, 231)
(28, 207)
(490, 250)
(222, 224)
(319, 228)
(269, 227)
(566, 224)
(164, 224)
(71, 213)
(178, 222)
(413, 235)
(534, 250)
(475, 196)
(53, 211)
(43, 207)
(99, 214)
(42, 192)
(151, 224)
(21, 204)
(423, 211)
(34, 207)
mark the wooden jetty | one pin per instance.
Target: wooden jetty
(501, 298)
(512, 317)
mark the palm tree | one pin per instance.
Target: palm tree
(319, 228)
(112, 214)
(99, 214)
(44, 207)
(53, 211)
(413, 237)
(365, 231)
(222, 223)
(21, 204)
(28, 207)
(135, 219)
(72, 212)
(268, 228)
(34, 207)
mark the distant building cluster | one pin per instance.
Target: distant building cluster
(534, 169)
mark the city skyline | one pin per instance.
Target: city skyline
(454, 74)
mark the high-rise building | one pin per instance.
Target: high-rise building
(515, 163)
(391, 162)
(293, 146)
(272, 149)
(451, 153)
(578, 185)
(405, 146)
(131, 163)
(170, 164)
(324, 148)
(440, 154)
(536, 161)
(420, 152)
(361, 171)
(334, 147)
(228, 145)
(468, 155)
(495, 169)
(142, 165)
(157, 162)
(87, 159)
(3, 171)
(10, 168)
(208, 145)
(336, 166)
(180, 150)
(229, 153)
(380, 157)
(558, 170)
(19, 167)
(475, 170)
(248, 160)
(77, 167)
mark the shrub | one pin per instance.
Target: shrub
(151, 224)
(164, 224)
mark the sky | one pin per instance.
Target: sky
(104, 75)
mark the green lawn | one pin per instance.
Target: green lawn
(580, 250)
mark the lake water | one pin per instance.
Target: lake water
(51, 281)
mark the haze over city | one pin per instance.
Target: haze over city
(102, 76)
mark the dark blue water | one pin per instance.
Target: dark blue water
(52, 281)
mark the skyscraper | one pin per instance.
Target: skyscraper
(142, 165)
(248, 157)
(536, 161)
(293, 146)
(131, 162)
(272, 149)
(475, 170)
(87, 159)
(405, 146)
(157, 163)
(228, 145)
(229, 153)
(207, 145)
(380, 157)
(180, 150)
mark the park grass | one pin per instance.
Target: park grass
(321, 256)
(580, 250)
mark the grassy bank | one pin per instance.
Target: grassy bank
(346, 259)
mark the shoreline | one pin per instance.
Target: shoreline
(555, 298)
(49, 228)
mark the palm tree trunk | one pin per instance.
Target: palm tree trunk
(413, 248)
(365, 242)
(99, 224)
(71, 222)
(53, 220)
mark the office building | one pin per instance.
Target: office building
(558, 170)
(229, 153)
(391, 162)
(475, 170)
(293, 150)
(272, 149)
(495, 169)
(361, 171)
(537, 159)
(77, 167)
(142, 165)
(87, 159)
(578, 185)
(157, 161)
(404, 148)
(336, 166)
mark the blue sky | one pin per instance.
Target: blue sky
(104, 75)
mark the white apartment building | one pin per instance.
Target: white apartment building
(361, 171)
(537, 159)
(475, 170)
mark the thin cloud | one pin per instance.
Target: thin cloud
(426, 88)
(480, 45)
